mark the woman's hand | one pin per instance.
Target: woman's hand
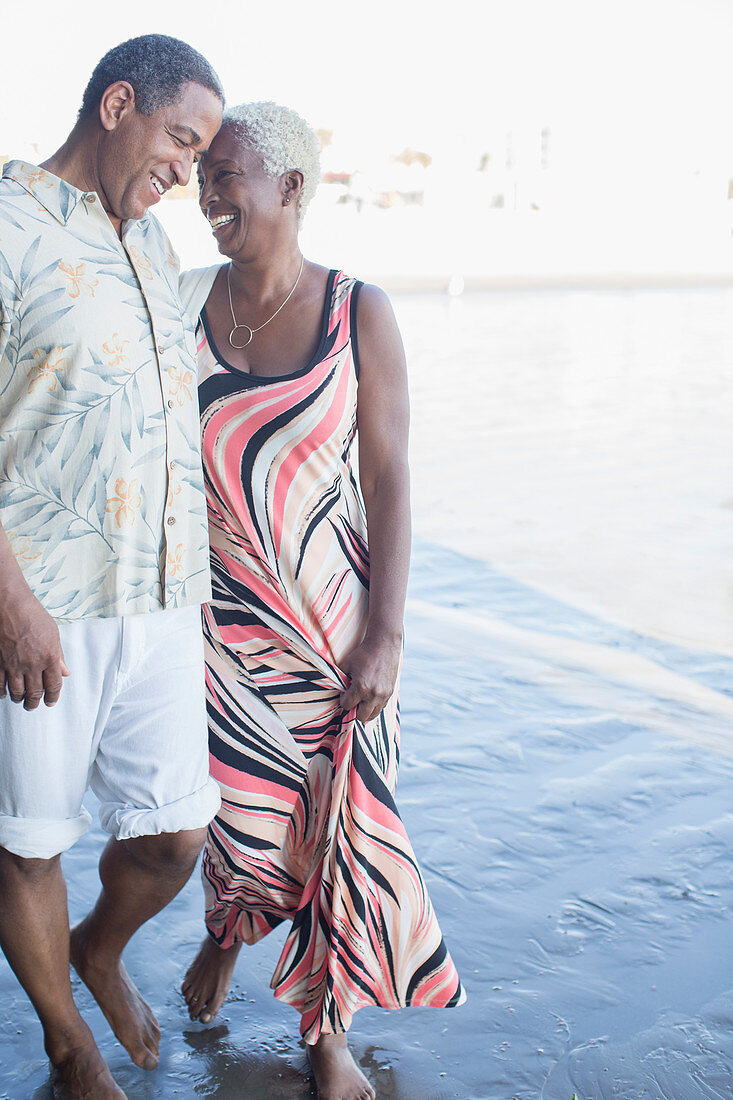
(372, 669)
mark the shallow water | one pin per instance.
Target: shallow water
(565, 781)
(581, 442)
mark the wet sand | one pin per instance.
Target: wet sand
(565, 781)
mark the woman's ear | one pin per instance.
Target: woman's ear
(292, 185)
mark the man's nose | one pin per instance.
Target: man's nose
(183, 165)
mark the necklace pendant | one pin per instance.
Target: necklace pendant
(249, 328)
(248, 341)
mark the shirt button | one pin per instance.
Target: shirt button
(160, 349)
(91, 198)
(171, 465)
(171, 520)
(171, 402)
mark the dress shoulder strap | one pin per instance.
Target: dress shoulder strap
(342, 317)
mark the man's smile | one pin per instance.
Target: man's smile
(160, 186)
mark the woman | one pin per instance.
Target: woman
(298, 365)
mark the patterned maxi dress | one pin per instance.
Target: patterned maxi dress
(308, 830)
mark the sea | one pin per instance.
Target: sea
(567, 735)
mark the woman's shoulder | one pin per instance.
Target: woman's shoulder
(347, 282)
(194, 287)
(369, 306)
(374, 303)
(372, 299)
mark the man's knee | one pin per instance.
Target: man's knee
(29, 870)
(172, 854)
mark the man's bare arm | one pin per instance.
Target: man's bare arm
(32, 663)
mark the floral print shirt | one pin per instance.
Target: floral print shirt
(101, 490)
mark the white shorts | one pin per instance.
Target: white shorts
(130, 724)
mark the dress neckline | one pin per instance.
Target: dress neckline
(265, 378)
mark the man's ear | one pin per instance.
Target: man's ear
(117, 101)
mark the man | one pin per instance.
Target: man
(103, 549)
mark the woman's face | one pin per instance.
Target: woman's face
(242, 204)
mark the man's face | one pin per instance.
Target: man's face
(145, 155)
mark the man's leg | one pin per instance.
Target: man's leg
(45, 764)
(34, 935)
(140, 876)
(151, 777)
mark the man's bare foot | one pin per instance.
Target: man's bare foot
(208, 979)
(337, 1075)
(82, 1074)
(130, 1017)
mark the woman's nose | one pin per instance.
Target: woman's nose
(206, 195)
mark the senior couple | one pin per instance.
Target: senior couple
(113, 538)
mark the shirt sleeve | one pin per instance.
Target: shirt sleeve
(194, 288)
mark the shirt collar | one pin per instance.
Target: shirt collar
(54, 194)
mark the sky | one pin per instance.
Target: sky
(637, 94)
(648, 80)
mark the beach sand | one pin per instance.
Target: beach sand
(567, 750)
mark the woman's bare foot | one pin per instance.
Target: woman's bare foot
(208, 979)
(337, 1075)
(82, 1074)
(130, 1017)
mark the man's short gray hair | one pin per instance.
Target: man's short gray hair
(282, 139)
(157, 66)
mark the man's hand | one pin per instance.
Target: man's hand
(32, 663)
(372, 669)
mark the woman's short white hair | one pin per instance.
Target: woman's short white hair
(282, 139)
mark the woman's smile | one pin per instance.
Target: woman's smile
(219, 221)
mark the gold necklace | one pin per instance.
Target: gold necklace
(249, 328)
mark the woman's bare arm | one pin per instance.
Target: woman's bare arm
(383, 422)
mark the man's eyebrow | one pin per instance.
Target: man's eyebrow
(193, 137)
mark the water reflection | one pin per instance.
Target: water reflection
(228, 1070)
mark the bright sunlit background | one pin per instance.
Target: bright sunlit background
(479, 139)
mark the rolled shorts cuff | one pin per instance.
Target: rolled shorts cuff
(195, 811)
(39, 837)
